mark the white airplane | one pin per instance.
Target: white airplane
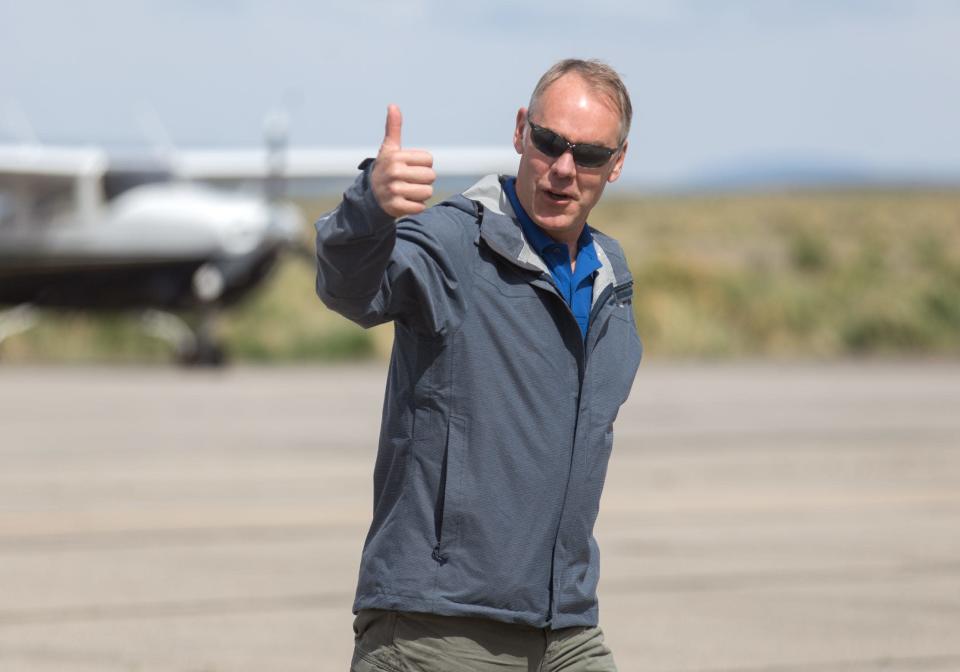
(166, 234)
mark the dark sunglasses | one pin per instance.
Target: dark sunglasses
(554, 145)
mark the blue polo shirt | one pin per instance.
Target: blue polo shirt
(576, 288)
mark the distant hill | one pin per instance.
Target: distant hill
(766, 175)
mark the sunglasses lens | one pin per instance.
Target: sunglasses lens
(548, 142)
(591, 156)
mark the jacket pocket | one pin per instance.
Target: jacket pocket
(446, 515)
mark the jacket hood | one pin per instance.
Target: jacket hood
(500, 229)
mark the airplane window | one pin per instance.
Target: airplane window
(117, 182)
(55, 198)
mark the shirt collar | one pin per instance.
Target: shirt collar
(533, 233)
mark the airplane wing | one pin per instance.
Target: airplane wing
(19, 162)
(306, 163)
(38, 161)
(37, 175)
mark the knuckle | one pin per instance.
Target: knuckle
(392, 170)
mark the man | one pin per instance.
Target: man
(514, 348)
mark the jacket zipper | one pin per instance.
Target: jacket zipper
(441, 503)
(581, 374)
(622, 290)
(619, 290)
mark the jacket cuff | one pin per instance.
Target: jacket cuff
(360, 194)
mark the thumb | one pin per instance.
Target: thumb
(391, 136)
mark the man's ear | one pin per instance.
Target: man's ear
(518, 131)
(618, 164)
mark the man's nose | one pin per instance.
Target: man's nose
(564, 165)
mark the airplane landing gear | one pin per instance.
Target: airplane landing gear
(194, 347)
(206, 351)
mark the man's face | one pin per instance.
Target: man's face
(556, 193)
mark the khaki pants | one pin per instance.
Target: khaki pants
(390, 641)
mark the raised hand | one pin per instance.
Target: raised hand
(402, 179)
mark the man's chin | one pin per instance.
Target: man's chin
(556, 225)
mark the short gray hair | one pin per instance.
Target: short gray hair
(597, 75)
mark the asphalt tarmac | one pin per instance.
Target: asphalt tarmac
(757, 518)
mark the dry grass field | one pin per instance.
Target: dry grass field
(782, 275)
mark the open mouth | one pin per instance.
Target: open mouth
(556, 196)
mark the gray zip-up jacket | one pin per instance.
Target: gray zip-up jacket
(497, 421)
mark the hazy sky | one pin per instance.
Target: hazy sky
(714, 82)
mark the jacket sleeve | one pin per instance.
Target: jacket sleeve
(372, 269)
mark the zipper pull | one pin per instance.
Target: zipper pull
(436, 555)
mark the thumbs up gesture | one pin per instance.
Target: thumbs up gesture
(402, 179)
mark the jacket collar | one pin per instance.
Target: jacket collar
(499, 226)
(501, 231)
